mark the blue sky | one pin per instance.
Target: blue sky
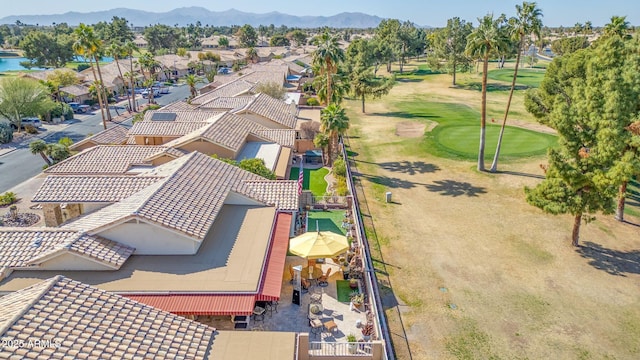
(422, 12)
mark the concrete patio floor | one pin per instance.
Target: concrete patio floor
(291, 317)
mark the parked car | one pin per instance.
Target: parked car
(79, 109)
(33, 121)
(145, 93)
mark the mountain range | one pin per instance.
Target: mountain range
(191, 15)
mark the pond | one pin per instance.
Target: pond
(13, 63)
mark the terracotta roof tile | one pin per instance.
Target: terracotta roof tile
(227, 103)
(281, 194)
(106, 159)
(284, 137)
(115, 135)
(87, 188)
(273, 109)
(189, 199)
(27, 247)
(164, 128)
(82, 321)
(192, 114)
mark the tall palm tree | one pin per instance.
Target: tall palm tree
(129, 48)
(192, 80)
(116, 51)
(88, 45)
(39, 147)
(333, 122)
(148, 62)
(486, 40)
(528, 21)
(326, 58)
(618, 26)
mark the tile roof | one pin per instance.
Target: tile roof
(284, 137)
(84, 322)
(21, 247)
(106, 159)
(75, 90)
(187, 201)
(191, 114)
(114, 135)
(282, 194)
(233, 88)
(231, 131)
(273, 109)
(176, 106)
(227, 103)
(87, 188)
(164, 128)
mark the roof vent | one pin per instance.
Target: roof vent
(36, 242)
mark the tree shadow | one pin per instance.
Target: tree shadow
(517, 173)
(409, 80)
(455, 188)
(407, 115)
(409, 167)
(614, 262)
(390, 182)
(477, 86)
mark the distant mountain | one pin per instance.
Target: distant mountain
(191, 15)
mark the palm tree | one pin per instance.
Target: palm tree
(326, 58)
(88, 45)
(129, 48)
(333, 122)
(483, 42)
(527, 22)
(618, 26)
(148, 62)
(39, 147)
(115, 51)
(192, 80)
(322, 141)
(252, 55)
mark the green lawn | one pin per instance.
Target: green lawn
(327, 221)
(526, 77)
(458, 129)
(313, 180)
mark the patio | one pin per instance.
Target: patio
(291, 317)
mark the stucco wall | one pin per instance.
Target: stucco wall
(208, 148)
(237, 199)
(150, 239)
(72, 263)
(263, 121)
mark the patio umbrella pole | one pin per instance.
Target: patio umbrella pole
(317, 226)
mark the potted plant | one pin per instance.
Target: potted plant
(353, 283)
(367, 331)
(353, 346)
(357, 299)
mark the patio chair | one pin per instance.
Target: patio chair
(306, 284)
(324, 279)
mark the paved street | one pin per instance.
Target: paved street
(20, 165)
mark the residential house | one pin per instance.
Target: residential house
(63, 318)
(140, 42)
(172, 66)
(75, 93)
(206, 227)
(113, 135)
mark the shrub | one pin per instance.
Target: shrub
(61, 110)
(7, 198)
(313, 102)
(6, 133)
(83, 67)
(341, 186)
(339, 167)
(30, 129)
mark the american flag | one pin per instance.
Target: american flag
(300, 177)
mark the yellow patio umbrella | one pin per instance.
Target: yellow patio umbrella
(318, 244)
